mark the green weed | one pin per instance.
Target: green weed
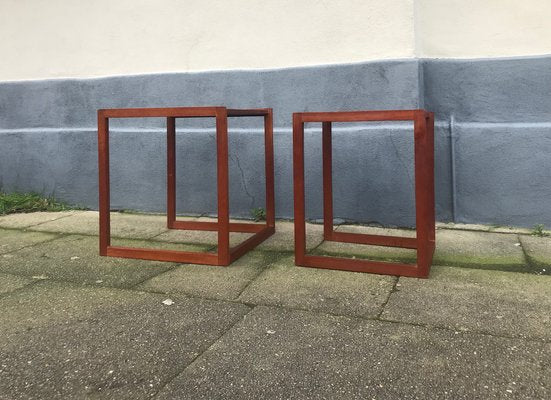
(11, 203)
(539, 230)
(259, 214)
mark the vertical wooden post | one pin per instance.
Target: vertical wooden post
(104, 194)
(423, 200)
(298, 175)
(269, 167)
(171, 171)
(327, 154)
(223, 186)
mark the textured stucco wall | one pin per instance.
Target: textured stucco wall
(482, 28)
(361, 55)
(501, 112)
(501, 133)
(49, 129)
(82, 38)
(79, 38)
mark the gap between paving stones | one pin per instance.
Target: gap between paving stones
(505, 230)
(455, 331)
(272, 260)
(273, 252)
(74, 258)
(224, 356)
(49, 217)
(175, 375)
(282, 254)
(88, 314)
(20, 288)
(57, 237)
(212, 282)
(392, 290)
(464, 263)
(253, 305)
(56, 219)
(60, 235)
(269, 251)
(512, 306)
(527, 258)
(378, 317)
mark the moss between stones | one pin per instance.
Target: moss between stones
(505, 265)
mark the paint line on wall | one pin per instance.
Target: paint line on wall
(336, 128)
(206, 130)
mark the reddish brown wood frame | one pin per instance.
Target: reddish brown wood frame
(424, 242)
(225, 255)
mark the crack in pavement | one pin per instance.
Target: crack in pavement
(175, 375)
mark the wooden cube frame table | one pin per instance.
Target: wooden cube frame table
(225, 255)
(424, 242)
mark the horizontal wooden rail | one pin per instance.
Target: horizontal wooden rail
(375, 240)
(357, 265)
(251, 243)
(213, 226)
(355, 116)
(163, 255)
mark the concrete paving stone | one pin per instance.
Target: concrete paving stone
(206, 237)
(9, 283)
(284, 237)
(538, 250)
(285, 354)
(156, 244)
(215, 219)
(464, 227)
(135, 226)
(77, 259)
(354, 250)
(482, 228)
(495, 302)
(225, 283)
(510, 229)
(336, 292)
(200, 237)
(479, 250)
(11, 240)
(60, 341)
(375, 230)
(25, 220)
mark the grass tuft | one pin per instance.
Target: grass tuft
(539, 231)
(11, 203)
(258, 214)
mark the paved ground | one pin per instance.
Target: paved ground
(74, 325)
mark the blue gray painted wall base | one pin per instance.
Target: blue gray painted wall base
(501, 133)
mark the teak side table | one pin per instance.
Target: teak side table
(225, 255)
(424, 242)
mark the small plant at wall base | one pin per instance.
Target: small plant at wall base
(259, 214)
(538, 230)
(11, 203)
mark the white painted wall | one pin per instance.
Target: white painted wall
(86, 38)
(482, 28)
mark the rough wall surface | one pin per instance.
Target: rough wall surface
(499, 171)
(53, 123)
(81, 38)
(501, 112)
(488, 28)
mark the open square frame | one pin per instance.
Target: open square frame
(423, 243)
(224, 255)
